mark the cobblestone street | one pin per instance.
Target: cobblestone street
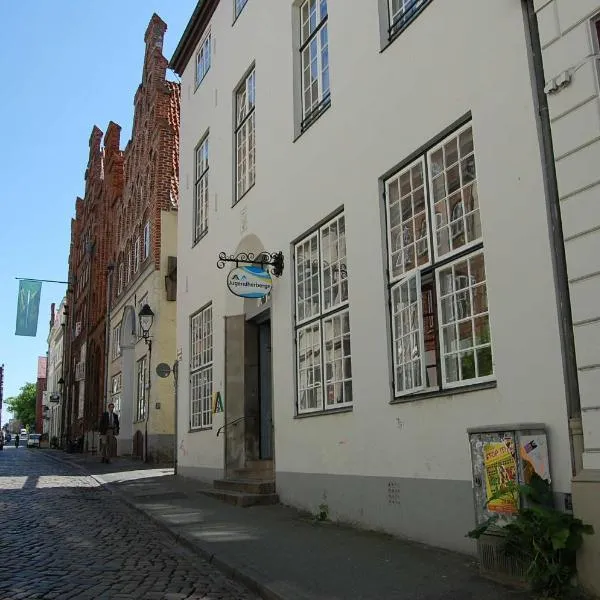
(65, 536)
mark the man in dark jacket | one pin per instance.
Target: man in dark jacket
(109, 428)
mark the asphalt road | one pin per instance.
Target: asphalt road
(64, 536)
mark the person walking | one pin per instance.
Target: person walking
(109, 428)
(17, 440)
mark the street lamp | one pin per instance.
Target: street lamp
(146, 317)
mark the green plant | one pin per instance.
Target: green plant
(545, 538)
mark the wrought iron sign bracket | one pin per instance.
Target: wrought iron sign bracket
(271, 259)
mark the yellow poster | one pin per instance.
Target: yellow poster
(500, 470)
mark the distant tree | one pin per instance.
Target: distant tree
(23, 405)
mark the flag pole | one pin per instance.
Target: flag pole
(42, 280)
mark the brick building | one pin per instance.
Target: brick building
(40, 388)
(123, 249)
(144, 254)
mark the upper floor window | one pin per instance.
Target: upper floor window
(239, 6)
(120, 278)
(203, 59)
(402, 13)
(314, 53)
(116, 346)
(245, 141)
(201, 372)
(136, 254)
(438, 292)
(323, 355)
(146, 240)
(201, 190)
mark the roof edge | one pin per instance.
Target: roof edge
(192, 34)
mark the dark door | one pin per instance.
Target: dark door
(266, 400)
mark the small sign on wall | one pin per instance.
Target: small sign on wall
(217, 403)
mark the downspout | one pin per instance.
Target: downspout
(557, 246)
(109, 279)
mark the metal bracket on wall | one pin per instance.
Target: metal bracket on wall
(272, 259)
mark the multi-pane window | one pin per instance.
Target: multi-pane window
(136, 254)
(120, 278)
(314, 52)
(323, 359)
(201, 190)
(402, 13)
(140, 407)
(203, 59)
(438, 294)
(116, 345)
(201, 371)
(115, 389)
(239, 6)
(146, 240)
(245, 142)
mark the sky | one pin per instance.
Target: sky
(67, 65)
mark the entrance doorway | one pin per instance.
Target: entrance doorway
(265, 390)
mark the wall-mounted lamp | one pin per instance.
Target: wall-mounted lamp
(146, 318)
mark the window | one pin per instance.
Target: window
(314, 52)
(146, 240)
(244, 135)
(129, 269)
(140, 408)
(115, 397)
(402, 13)
(201, 376)
(324, 363)
(116, 347)
(201, 191)
(121, 278)
(438, 295)
(136, 254)
(203, 60)
(239, 6)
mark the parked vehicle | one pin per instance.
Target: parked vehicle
(33, 441)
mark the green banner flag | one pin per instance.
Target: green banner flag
(28, 307)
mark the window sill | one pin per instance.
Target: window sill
(476, 387)
(238, 200)
(320, 413)
(312, 121)
(199, 429)
(394, 35)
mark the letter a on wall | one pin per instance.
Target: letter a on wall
(217, 403)
(28, 307)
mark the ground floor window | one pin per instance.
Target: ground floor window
(201, 369)
(140, 408)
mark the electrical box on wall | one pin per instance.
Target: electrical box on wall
(502, 455)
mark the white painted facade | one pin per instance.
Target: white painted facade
(387, 108)
(53, 395)
(570, 44)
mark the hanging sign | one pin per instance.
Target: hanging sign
(249, 282)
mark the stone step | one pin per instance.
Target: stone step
(251, 486)
(242, 499)
(260, 465)
(251, 474)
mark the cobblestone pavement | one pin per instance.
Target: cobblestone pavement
(64, 536)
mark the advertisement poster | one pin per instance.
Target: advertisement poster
(533, 451)
(500, 469)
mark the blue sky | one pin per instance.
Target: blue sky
(66, 65)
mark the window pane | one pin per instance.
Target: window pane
(464, 313)
(408, 334)
(310, 390)
(308, 302)
(452, 175)
(407, 220)
(336, 337)
(333, 260)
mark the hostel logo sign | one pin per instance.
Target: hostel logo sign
(249, 282)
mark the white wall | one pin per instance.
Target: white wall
(569, 43)
(385, 106)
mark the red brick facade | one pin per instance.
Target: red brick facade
(124, 194)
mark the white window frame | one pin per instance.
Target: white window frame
(136, 254)
(120, 278)
(203, 58)
(314, 56)
(201, 197)
(401, 212)
(238, 7)
(322, 374)
(245, 135)
(116, 386)
(140, 405)
(201, 368)
(146, 240)
(402, 16)
(116, 346)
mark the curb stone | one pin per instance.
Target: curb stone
(236, 573)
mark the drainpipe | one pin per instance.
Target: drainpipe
(557, 245)
(109, 279)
